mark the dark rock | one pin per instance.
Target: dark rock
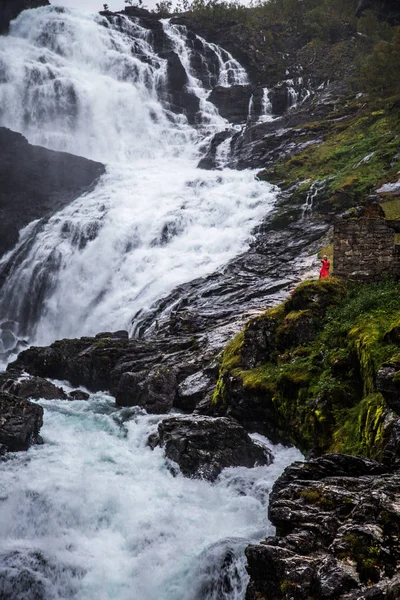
(35, 388)
(209, 160)
(36, 182)
(155, 390)
(258, 342)
(337, 522)
(10, 9)
(203, 446)
(116, 335)
(391, 453)
(192, 390)
(181, 100)
(20, 422)
(386, 384)
(232, 102)
(78, 395)
(280, 99)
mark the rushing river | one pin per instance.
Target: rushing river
(94, 514)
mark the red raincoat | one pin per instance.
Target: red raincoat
(324, 272)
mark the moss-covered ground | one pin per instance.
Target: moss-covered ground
(358, 150)
(329, 341)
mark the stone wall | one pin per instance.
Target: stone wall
(364, 247)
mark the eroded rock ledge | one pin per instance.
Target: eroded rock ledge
(338, 526)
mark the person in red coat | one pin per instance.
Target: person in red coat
(326, 265)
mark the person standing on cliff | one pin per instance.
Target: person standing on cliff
(326, 265)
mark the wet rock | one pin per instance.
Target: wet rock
(20, 422)
(232, 102)
(31, 575)
(78, 395)
(35, 388)
(203, 446)
(391, 453)
(116, 335)
(192, 390)
(10, 9)
(155, 390)
(218, 574)
(337, 520)
(36, 182)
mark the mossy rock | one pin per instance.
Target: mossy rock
(316, 296)
(311, 376)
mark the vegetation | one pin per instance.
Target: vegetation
(359, 150)
(318, 385)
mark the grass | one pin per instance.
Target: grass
(322, 391)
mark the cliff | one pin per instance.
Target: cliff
(10, 9)
(36, 182)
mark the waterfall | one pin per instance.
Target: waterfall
(94, 514)
(76, 82)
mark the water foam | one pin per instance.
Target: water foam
(94, 514)
(74, 82)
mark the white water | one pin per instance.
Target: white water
(94, 514)
(154, 221)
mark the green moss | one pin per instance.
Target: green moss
(231, 356)
(363, 428)
(323, 395)
(354, 157)
(366, 556)
(315, 496)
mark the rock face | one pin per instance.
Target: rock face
(20, 422)
(232, 102)
(9, 9)
(36, 182)
(203, 446)
(337, 520)
(34, 387)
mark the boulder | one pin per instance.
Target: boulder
(78, 395)
(35, 388)
(204, 446)
(192, 390)
(153, 390)
(20, 423)
(232, 102)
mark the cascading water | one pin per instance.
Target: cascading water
(94, 514)
(74, 82)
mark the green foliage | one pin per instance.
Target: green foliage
(323, 394)
(367, 556)
(379, 73)
(164, 7)
(359, 150)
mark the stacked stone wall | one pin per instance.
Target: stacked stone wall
(365, 250)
